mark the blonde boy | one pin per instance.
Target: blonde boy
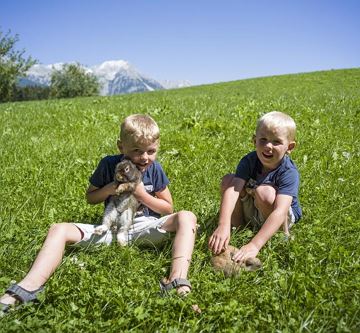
(263, 192)
(139, 141)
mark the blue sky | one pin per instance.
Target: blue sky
(203, 41)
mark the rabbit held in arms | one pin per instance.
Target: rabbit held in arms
(120, 211)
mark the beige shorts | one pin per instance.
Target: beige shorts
(253, 217)
(146, 230)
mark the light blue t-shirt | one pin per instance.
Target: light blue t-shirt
(285, 178)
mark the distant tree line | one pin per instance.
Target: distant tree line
(70, 81)
(29, 93)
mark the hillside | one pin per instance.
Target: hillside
(48, 149)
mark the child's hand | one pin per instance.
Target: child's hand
(125, 187)
(247, 251)
(110, 189)
(140, 192)
(219, 240)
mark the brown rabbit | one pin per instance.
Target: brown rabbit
(225, 263)
(120, 211)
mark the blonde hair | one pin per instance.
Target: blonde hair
(276, 119)
(139, 128)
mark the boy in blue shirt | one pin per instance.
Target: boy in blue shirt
(263, 193)
(139, 141)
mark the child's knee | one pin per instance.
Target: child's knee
(56, 229)
(226, 181)
(186, 219)
(185, 215)
(265, 194)
(61, 231)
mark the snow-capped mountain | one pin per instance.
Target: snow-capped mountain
(115, 77)
(172, 84)
(119, 77)
(41, 74)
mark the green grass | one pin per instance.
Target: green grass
(49, 149)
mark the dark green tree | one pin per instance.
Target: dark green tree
(29, 93)
(12, 65)
(73, 81)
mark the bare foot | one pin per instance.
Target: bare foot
(183, 290)
(7, 299)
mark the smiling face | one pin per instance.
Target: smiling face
(141, 154)
(272, 143)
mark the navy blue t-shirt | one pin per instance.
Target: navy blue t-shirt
(154, 178)
(285, 178)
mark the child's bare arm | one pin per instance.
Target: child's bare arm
(220, 238)
(95, 195)
(271, 226)
(162, 203)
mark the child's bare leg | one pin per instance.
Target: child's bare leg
(286, 227)
(264, 200)
(49, 257)
(237, 219)
(184, 224)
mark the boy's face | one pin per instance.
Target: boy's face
(271, 146)
(142, 155)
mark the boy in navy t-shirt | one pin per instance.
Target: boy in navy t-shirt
(263, 193)
(139, 141)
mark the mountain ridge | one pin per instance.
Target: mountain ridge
(115, 77)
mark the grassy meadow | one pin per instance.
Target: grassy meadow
(48, 150)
